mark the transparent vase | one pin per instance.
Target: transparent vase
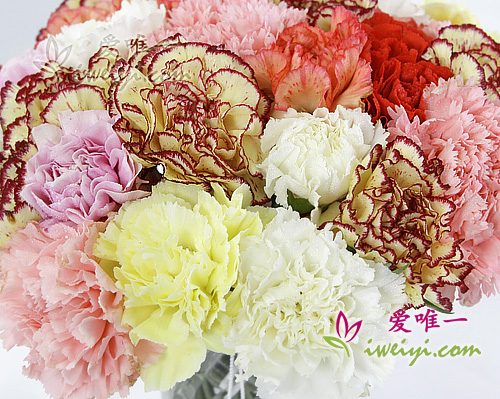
(215, 380)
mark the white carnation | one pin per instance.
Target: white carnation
(406, 9)
(402, 9)
(314, 156)
(82, 41)
(296, 280)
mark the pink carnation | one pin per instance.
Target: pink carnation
(463, 131)
(28, 64)
(244, 26)
(56, 300)
(82, 171)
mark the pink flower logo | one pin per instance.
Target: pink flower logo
(348, 331)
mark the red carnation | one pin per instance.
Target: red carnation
(399, 74)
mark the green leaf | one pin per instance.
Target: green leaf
(435, 307)
(401, 270)
(299, 205)
(325, 207)
(333, 341)
(351, 250)
(274, 204)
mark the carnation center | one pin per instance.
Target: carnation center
(301, 319)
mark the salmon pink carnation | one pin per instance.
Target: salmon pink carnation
(308, 68)
(463, 131)
(56, 300)
(244, 27)
(72, 12)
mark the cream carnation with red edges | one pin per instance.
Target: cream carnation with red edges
(194, 108)
(397, 212)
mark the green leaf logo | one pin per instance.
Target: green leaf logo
(343, 325)
(336, 343)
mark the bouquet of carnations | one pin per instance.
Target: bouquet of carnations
(265, 182)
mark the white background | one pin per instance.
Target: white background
(429, 378)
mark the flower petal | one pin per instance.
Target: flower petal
(164, 374)
(303, 89)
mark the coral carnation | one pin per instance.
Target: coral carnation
(308, 68)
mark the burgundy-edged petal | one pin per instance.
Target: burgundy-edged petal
(199, 112)
(396, 212)
(470, 53)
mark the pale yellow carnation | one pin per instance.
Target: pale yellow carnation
(175, 255)
(444, 10)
